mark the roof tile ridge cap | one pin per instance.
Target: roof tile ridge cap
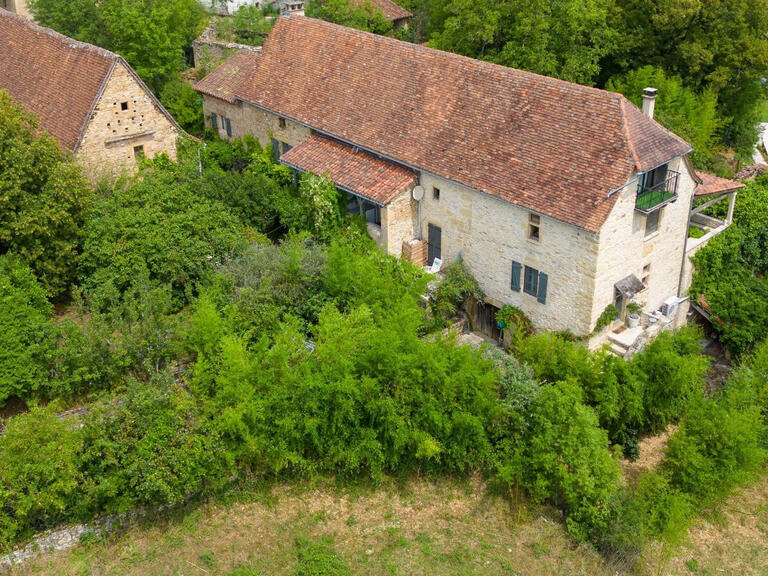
(622, 101)
(58, 35)
(428, 49)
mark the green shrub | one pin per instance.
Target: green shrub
(606, 318)
(456, 286)
(40, 478)
(514, 320)
(247, 25)
(672, 369)
(318, 558)
(184, 104)
(564, 459)
(150, 448)
(27, 332)
(158, 227)
(719, 443)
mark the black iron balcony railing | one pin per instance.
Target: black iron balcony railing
(650, 198)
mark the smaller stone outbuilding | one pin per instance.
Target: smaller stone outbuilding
(86, 97)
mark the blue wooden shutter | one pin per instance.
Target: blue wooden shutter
(542, 297)
(516, 276)
(275, 150)
(214, 124)
(229, 127)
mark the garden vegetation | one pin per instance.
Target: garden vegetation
(224, 320)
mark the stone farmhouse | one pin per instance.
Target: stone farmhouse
(561, 199)
(86, 97)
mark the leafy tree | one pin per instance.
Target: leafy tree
(730, 272)
(563, 39)
(248, 25)
(26, 331)
(184, 104)
(712, 45)
(686, 112)
(44, 199)
(353, 13)
(150, 34)
(156, 226)
(38, 486)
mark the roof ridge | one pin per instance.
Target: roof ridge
(453, 55)
(73, 43)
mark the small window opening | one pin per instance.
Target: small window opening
(123, 105)
(435, 193)
(646, 274)
(138, 152)
(534, 225)
(281, 122)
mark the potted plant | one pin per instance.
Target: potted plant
(633, 314)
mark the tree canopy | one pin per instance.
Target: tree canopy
(44, 198)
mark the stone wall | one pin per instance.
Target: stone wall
(488, 234)
(109, 145)
(249, 120)
(398, 219)
(208, 49)
(625, 249)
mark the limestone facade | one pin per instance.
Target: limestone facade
(126, 123)
(489, 234)
(656, 258)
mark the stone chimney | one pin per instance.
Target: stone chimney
(649, 101)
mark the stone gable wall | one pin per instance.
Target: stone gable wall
(107, 149)
(625, 249)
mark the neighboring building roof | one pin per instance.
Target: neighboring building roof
(392, 11)
(750, 172)
(57, 78)
(711, 185)
(350, 168)
(226, 80)
(551, 146)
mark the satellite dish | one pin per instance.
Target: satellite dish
(418, 193)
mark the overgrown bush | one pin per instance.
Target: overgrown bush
(565, 459)
(454, 288)
(318, 558)
(719, 443)
(156, 226)
(40, 475)
(149, 448)
(27, 332)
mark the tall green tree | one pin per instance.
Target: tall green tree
(717, 44)
(688, 113)
(361, 15)
(564, 39)
(150, 34)
(43, 198)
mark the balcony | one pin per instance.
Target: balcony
(656, 194)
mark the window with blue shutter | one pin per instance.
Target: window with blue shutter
(229, 127)
(214, 122)
(516, 267)
(531, 281)
(275, 149)
(543, 278)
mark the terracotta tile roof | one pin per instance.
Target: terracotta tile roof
(550, 146)
(350, 168)
(711, 184)
(225, 80)
(391, 11)
(57, 78)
